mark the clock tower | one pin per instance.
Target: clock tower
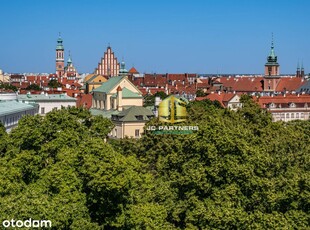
(60, 63)
(272, 73)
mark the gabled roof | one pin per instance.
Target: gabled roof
(91, 79)
(132, 113)
(133, 70)
(107, 86)
(126, 93)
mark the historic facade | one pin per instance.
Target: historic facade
(68, 71)
(272, 71)
(60, 59)
(108, 65)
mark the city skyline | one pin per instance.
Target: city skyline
(175, 36)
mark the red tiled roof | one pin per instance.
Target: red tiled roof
(242, 84)
(223, 97)
(84, 100)
(289, 84)
(133, 70)
(72, 92)
(283, 100)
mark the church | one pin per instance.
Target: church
(68, 71)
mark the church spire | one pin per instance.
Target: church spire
(272, 66)
(69, 59)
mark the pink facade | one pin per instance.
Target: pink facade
(108, 65)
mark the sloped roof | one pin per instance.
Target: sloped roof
(289, 84)
(131, 114)
(91, 79)
(281, 99)
(104, 113)
(305, 87)
(242, 84)
(43, 97)
(9, 107)
(128, 94)
(133, 70)
(223, 97)
(84, 100)
(107, 86)
(89, 76)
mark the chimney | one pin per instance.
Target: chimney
(119, 98)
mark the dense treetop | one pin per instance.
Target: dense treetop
(239, 171)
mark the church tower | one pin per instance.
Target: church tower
(60, 61)
(272, 71)
(272, 66)
(302, 70)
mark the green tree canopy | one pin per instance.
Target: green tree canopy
(239, 171)
(33, 87)
(54, 83)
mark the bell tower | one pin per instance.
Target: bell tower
(60, 61)
(272, 71)
(272, 66)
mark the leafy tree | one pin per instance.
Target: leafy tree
(149, 100)
(200, 93)
(238, 171)
(7, 86)
(54, 84)
(33, 87)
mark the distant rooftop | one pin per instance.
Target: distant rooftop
(9, 107)
(44, 97)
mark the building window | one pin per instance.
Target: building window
(272, 105)
(292, 105)
(297, 115)
(292, 115)
(42, 110)
(139, 118)
(282, 115)
(137, 133)
(302, 115)
(287, 115)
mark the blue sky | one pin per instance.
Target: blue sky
(176, 36)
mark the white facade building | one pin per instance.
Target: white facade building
(48, 102)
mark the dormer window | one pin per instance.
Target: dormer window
(139, 117)
(272, 105)
(292, 105)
